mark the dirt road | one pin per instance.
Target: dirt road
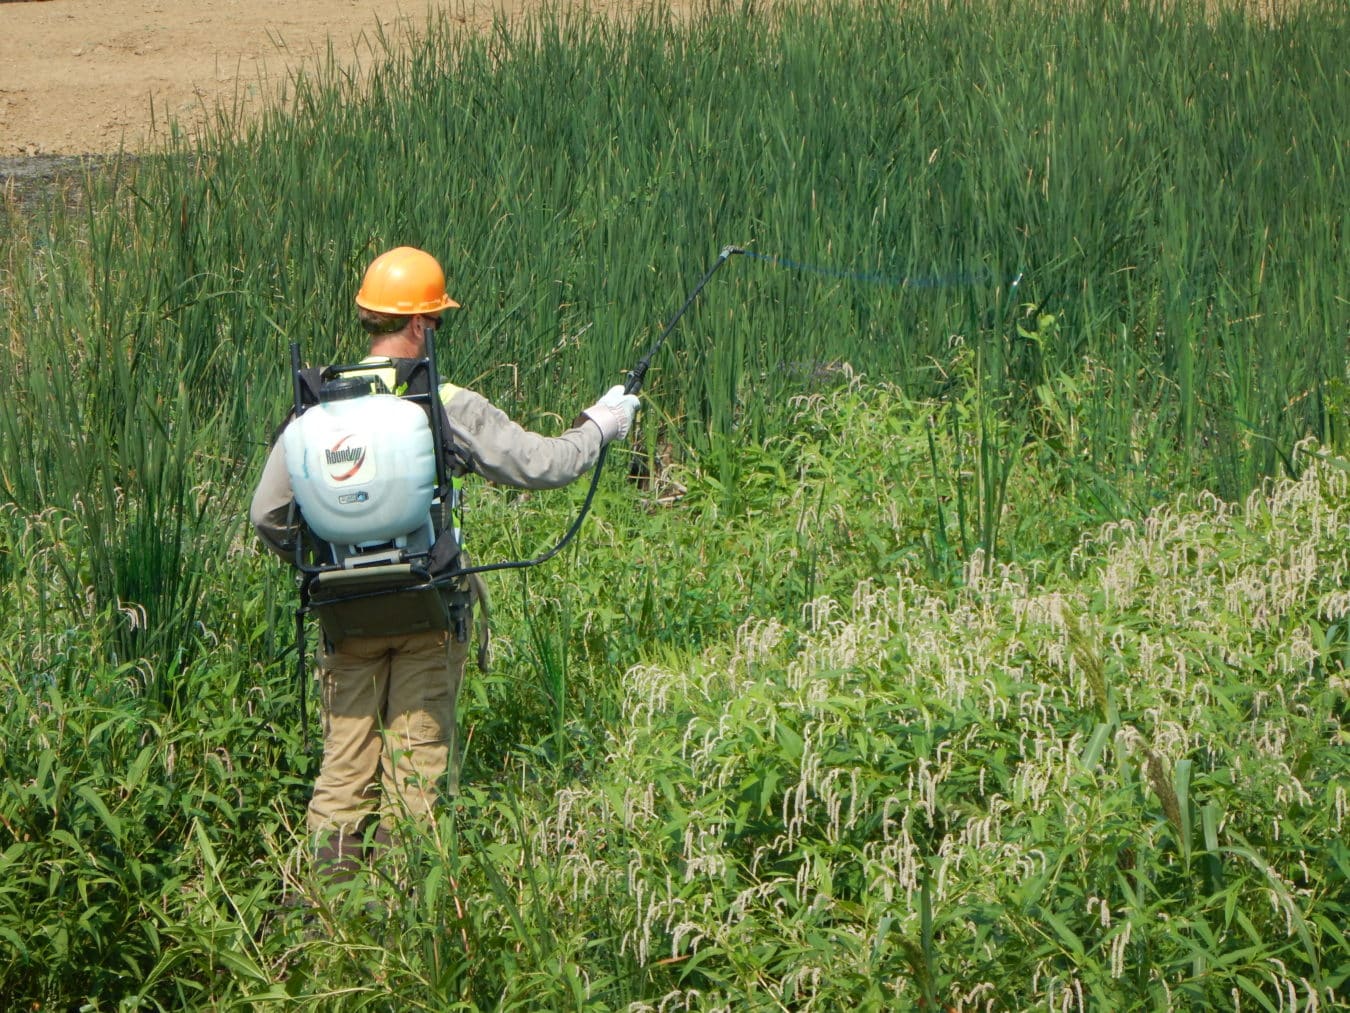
(88, 76)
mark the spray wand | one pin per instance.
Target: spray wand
(639, 371)
(632, 386)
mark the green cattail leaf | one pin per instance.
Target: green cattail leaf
(1092, 752)
(1209, 821)
(1181, 784)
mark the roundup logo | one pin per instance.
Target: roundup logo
(342, 461)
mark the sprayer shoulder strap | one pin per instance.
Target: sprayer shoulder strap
(412, 377)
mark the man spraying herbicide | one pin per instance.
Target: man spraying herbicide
(361, 494)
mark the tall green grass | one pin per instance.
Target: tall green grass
(1157, 178)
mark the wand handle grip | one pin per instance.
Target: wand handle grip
(634, 383)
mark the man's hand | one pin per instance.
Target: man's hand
(613, 413)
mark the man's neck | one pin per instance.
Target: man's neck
(396, 346)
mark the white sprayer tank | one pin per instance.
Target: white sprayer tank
(363, 469)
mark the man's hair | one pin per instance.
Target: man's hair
(375, 323)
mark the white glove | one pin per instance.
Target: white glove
(613, 413)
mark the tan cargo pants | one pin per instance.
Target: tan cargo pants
(389, 729)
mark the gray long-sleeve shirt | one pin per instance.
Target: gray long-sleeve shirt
(500, 449)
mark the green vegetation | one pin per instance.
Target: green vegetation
(964, 644)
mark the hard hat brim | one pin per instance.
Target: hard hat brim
(407, 309)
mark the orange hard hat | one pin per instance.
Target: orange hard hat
(405, 282)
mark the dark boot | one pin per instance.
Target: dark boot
(337, 858)
(380, 843)
(388, 859)
(380, 851)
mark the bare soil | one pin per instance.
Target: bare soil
(98, 76)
